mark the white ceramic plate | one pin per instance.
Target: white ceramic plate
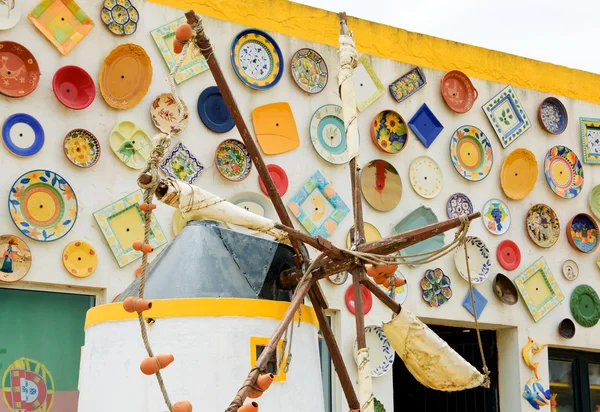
(479, 260)
(426, 177)
(496, 217)
(381, 353)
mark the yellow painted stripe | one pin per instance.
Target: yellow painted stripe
(178, 308)
(320, 26)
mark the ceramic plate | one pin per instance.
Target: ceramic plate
(381, 354)
(275, 128)
(233, 160)
(401, 292)
(42, 205)
(10, 13)
(23, 135)
(256, 203)
(389, 132)
(570, 269)
(582, 233)
(479, 260)
(367, 298)
(480, 302)
(367, 86)
(418, 218)
(15, 258)
(508, 255)
(131, 144)
(338, 279)
(425, 125)
(594, 201)
(256, 59)
(458, 204)
(566, 328)
(539, 289)
(371, 234)
(496, 217)
(553, 115)
(328, 135)
(458, 91)
(507, 116)
(164, 112)
(426, 177)
(213, 111)
(585, 306)
(80, 259)
(435, 286)
(73, 87)
(408, 84)
(381, 185)
(19, 70)
(471, 153)
(309, 71)
(543, 226)
(564, 172)
(518, 174)
(279, 178)
(181, 164)
(505, 289)
(590, 139)
(81, 148)
(125, 76)
(120, 16)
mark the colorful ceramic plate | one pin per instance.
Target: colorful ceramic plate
(566, 328)
(381, 354)
(367, 86)
(401, 292)
(381, 185)
(256, 59)
(480, 303)
(256, 203)
(518, 174)
(19, 70)
(275, 128)
(479, 260)
(553, 115)
(564, 172)
(23, 135)
(594, 201)
(582, 233)
(81, 148)
(73, 87)
(233, 160)
(507, 116)
(471, 153)
(309, 71)
(125, 76)
(505, 289)
(388, 131)
(426, 177)
(15, 258)
(408, 84)
(371, 234)
(496, 217)
(42, 205)
(508, 255)
(80, 259)
(425, 125)
(539, 289)
(436, 287)
(570, 269)
(458, 91)
(543, 226)
(328, 135)
(338, 279)
(367, 298)
(130, 144)
(165, 113)
(279, 178)
(213, 111)
(120, 16)
(10, 13)
(585, 306)
(181, 164)
(418, 218)
(458, 204)
(590, 139)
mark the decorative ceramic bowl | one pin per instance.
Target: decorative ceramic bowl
(505, 289)
(553, 115)
(566, 328)
(389, 132)
(73, 87)
(309, 71)
(543, 226)
(16, 63)
(582, 232)
(367, 299)
(233, 160)
(459, 204)
(81, 148)
(458, 91)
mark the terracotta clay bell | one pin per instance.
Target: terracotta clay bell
(143, 247)
(133, 304)
(262, 383)
(182, 406)
(249, 407)
(182, 35)
(150, 366)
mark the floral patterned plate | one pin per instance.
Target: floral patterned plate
(458, 91)
(459, 204)
(309, 71)
(120, 16)
(564, 172)
(518, 174)
(164, 112)
(328, 135)
(553, 115)
(42, 205)
(436, 287)
(507, 116)
(130, 144)
(543, 226)
(256, 59)
(408, 84)
(180, 164)
(389, 131)
(479, 260)
(19, 70)
(496, 217)
(471, 153)
(233, 160)
(426, 177)
(15, 258)
(582, 233)
(80, 259)
(81, 148)
(381, 354)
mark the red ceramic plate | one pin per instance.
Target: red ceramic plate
(509, 255)
(19, 71)
(74, 87)
(458, 91)
(279, 178)
(367, 300)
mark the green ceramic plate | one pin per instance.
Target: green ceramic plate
(585, 305)
(594, 200)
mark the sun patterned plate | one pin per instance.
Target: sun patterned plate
(81, 148)
(381, 185)
(408, 84)
(457, 91)
(120, 16)
(508, 255)
(42, 205)
(418, 218)
(371, 234)
(165, 112)
(130, 144)
(256, 203)
(10, 14)
(275, 128)
(585, 306)
(425, 125)
(23, 135)
(367, 85)
(539, 289)
(389, 132)
(80, 259)
(459, 204)
(279, 177)
(507, 116)
(15, 258)
(594, 201)
(19, 70)
(518, 174)
(570, 269)
(553, 115)
(381, 354)
(181, 164)
(328, 135)
(564, 172)
(471, 153)
(309, 71)
(590, 139)
(256, 59)
(233, 160)
(496, 217)
(426, 177)
(213, 111)
(479, 260)
(543, 226)
(582, 233)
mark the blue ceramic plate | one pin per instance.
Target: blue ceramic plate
(23, 135)
(553, 115)
(459, 204)
(213, 112)
(425, 125)
(256, 59)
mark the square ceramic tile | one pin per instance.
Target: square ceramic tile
(507, 116)
(367, 85)
(425, 125)
(480, 302)
(192, 65)
(180, 164)
(408, 84)
(539, 289)
(318, 207)
(590, 140)
(122, 223)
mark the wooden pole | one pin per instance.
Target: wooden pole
(381, 295)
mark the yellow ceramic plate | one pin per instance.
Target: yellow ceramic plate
(130, 144)
(275, 128)
(371, 234)
(80, 259)
(519, 173)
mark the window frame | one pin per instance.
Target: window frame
(581, 382)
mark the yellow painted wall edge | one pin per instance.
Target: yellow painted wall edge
(321, 26)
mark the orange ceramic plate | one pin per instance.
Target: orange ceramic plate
(275, 128)
(80, 259)
(518, 174)
(125, 76)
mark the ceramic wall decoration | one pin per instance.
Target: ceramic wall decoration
(594, 201)
(64, 32)
(507, 116)
(73, 87)
(15, 258)
(479, 260)
(120, 16)
(518, 174)
(42, 205)
(233, 160)
(213, 111)
(535, 394)
(371, 234)
(539, 289)
(275, 128)
(256, 203)
(508, 255)
(425, 177)
(425, 125)
(505, 289)
(471, 153)
(130, 144)
(582, 233)
(458, 204)
(496, 217)
(122, 223)
(23, 135)
(570, 269)
(389, 132)
(10, 13)
(256, 59)
(180, 164)
(590, 139)
(566, 328)
(19, 70)
(381, 353)
(408, 84)
(553, 116)
(367, 85)
(318, 207)
(529, 350)
(585, 306)
(381, 185)
(309, 71)
(367, 299)
(125, 76)
(564, 172)
(418, 218)
(436, 287)
(80, 259)
(543, 226)
(328, 135)
(338, 279)
(165, 113)
(279, 177)
(480, 303)
(192, 65)
(458, 91)
(81, 148)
